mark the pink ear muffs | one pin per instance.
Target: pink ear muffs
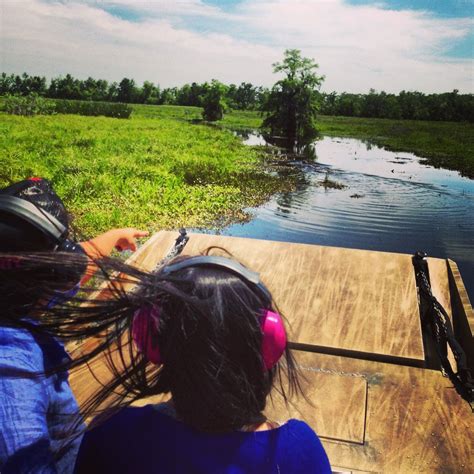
(145, 331)
(274, 338)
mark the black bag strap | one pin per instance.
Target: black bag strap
(438, 320)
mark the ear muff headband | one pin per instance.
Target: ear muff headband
(146, 320)
(40, 219)
(220, 262)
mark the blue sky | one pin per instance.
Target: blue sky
(440, 9)
(388, 45)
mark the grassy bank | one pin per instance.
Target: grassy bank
(443, 144)
(141, 172)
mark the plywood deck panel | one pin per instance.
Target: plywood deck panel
(337, 406)
(415, 421)
(334, 298)
(438, 271)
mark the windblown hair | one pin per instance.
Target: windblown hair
(209, 337)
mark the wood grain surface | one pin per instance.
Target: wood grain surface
(327, 402)
(415, 421)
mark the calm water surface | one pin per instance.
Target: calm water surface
(391, 203)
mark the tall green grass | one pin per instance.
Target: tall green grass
(92, 108)
(33, 104)
(142, 172)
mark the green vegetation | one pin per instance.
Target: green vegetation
(28, 105)
(95, 109)
(213, 102)
(291, 106)
(141, 172)
(242, 120)
(33, 104)
(449, 106)
(175, 112)
(443, 144)
(234, 119)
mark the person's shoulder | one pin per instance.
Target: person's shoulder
(305, 448)
(19, 350)
(301, 429)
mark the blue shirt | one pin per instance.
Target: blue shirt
(35, 413)
(144, 440)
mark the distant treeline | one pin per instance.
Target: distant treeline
(450, 106)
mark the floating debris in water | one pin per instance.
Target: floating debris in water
(330, 184)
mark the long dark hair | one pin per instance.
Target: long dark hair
(209, 337)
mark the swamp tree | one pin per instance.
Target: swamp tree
(214, 103)
(293, 102)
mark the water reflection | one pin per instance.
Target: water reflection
(290, 148)
(392, 203)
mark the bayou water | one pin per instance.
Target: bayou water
(391, 202)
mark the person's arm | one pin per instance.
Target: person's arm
(103, 244)
(120, 239)
(24, 437)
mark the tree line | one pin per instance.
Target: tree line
(450, 106)
(244, 96)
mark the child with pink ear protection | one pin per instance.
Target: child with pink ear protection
(205, 331)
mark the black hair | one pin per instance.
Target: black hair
(209, 337)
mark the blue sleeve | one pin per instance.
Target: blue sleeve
(24, 437)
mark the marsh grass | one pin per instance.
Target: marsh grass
(141, 172)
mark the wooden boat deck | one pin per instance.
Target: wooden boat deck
(355, 317)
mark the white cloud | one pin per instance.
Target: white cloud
(357, 47)
(163, 7)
